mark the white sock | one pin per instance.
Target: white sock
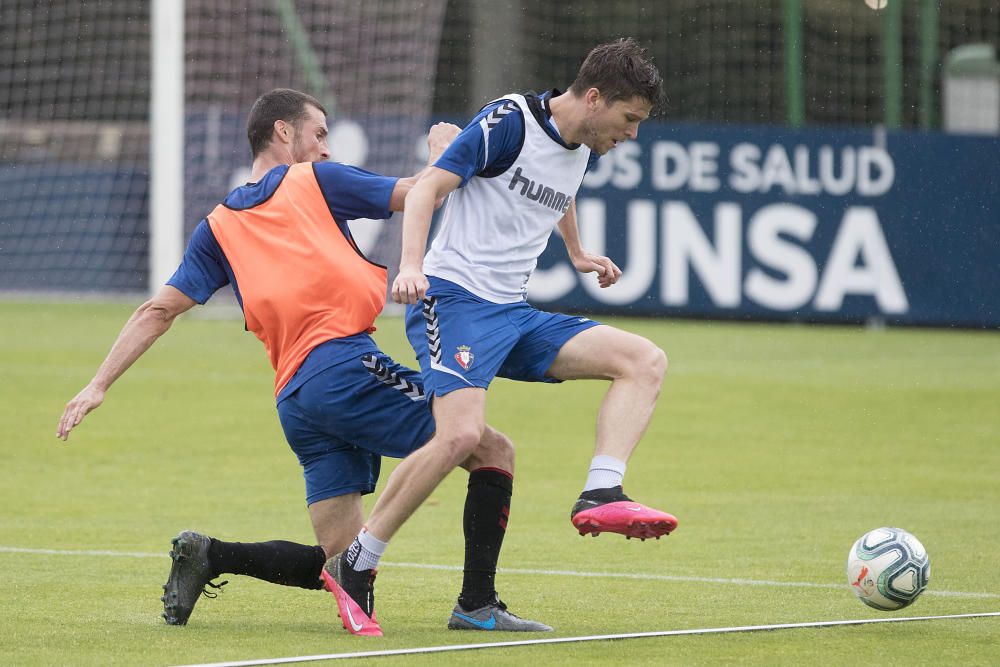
(371, 551)
(605, 472)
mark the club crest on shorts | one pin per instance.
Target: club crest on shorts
(464, 356)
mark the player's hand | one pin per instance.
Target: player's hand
(88, 399)
(607, 271)
(440, 136)
(410, 286)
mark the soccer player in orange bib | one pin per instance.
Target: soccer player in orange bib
(309, 294)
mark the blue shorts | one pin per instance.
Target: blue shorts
(344, 418)
(462, 340)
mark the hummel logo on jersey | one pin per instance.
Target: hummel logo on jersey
(540, 192)
(464, 356)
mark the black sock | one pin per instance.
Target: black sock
(279, 562)
(487, 507)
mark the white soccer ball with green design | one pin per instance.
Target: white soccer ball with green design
(888, 568)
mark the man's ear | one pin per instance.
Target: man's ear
(283, 130)
(593, 98)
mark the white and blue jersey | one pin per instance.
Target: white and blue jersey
(518, 179)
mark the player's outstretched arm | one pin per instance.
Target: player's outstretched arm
(439, 138)
(410, 284)
(147, 324)
(607, 271)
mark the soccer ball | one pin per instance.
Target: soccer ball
(888, 568)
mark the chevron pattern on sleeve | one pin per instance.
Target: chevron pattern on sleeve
(490, 120)
(497, 115)
(377, 367)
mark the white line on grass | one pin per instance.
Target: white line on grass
(513, 570)
(592, 638)
(79, 552)
(672, 577)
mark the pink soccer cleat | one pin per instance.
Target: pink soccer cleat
(611, 511)
(345, 583)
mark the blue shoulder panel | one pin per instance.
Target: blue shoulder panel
(204, 268)
(488, 145)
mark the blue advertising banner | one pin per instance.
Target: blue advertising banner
(743, 223)
(768, 223)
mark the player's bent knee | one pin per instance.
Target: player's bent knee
(459, 443)
(495, 450)
(660, 362)
(648, 364)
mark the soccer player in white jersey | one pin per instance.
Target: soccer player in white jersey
(513, 175)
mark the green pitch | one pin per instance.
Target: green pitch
(775, 446)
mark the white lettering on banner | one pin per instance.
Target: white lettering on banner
(859, 262)
(684, 245)
(777, 170)
(868, 170)
(827, 170)
(704, 167)
(861, 236)
(874, 159)
(798, 170)
(673, 166)
(639, 265)
(806, 184)
(764, 237)
(745, 176)
(670, 167)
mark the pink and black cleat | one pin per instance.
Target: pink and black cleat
(355, 595)
(611, 511)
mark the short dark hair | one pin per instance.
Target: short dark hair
(621, 70)
(279, 104)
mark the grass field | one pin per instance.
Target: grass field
(776, 447)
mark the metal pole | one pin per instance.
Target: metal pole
(166, 149)
(305, 54)
(497, 57)
(929, 27)
(793, 62)
(892, 63)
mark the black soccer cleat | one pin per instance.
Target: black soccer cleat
(190, 573)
